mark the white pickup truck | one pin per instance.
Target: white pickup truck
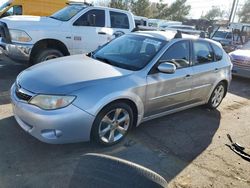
(77, 28)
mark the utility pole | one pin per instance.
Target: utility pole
(232, 11)
(235, 12)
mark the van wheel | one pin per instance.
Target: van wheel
(112, 124)
(217, 96)
(46, 55)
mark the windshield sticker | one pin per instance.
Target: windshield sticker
(154, 42)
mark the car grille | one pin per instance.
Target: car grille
(22, 95)
(242, 64)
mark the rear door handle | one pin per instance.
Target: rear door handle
(216, 70)
(102, 33)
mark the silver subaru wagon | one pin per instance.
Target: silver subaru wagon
(134, 78)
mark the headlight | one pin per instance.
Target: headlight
(51, 102)
(19, 36)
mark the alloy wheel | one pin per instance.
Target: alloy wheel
(114, 125)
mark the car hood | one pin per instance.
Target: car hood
(25, 22)
(68, 74)
(241, 54)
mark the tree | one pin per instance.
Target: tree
(244, 13)
(177, 11)
(120, 4)
(140, 7)
(213, 13)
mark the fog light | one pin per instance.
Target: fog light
(51, 133)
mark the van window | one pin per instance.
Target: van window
(178, 54)
(97, 16)
(15, 10)
(119, 20)
(203, 52)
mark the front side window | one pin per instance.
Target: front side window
(93, 18)
(119, 20)
(203, 52)
(178, 54)
(67, 12)
(132, 52)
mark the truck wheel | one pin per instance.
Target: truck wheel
(46, 55)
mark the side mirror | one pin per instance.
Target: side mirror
(91, 19)
(167, 67)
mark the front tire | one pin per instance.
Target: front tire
(112, 124)
(217, 96)
(47, 54)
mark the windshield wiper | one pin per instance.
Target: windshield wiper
(105, 60)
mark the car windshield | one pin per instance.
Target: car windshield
(132, 52)
(220, 34)
(67, 12)
(4, 5)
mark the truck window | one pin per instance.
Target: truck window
(119, 20)
(98, 19)
(15, 10)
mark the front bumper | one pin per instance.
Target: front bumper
(66, 125)
(17, 51)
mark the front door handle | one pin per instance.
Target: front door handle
(102, 33)
(188, 76)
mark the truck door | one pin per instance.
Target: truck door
(90, 31)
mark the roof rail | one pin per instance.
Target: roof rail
(178, 34)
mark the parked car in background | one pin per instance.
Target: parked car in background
(187, 29)
(241, 61)
(142, 21)
(134, 78)
(30, 7)
(78, 28)
(225, 37)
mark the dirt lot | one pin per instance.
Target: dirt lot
(187, 148)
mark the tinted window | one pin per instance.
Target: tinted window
(178, 54)
(203, 52)
(97, 17)
(218, 53)
(119, 20)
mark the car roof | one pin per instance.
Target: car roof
(165, 35)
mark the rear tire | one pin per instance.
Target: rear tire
(46, 55)
(112, 124)
(217, 96)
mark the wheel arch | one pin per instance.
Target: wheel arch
(48, 43)
(134, 102)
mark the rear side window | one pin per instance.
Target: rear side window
(203, 52)
(218, 53)
(119, 20)
(97, 17)
(178, 54)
